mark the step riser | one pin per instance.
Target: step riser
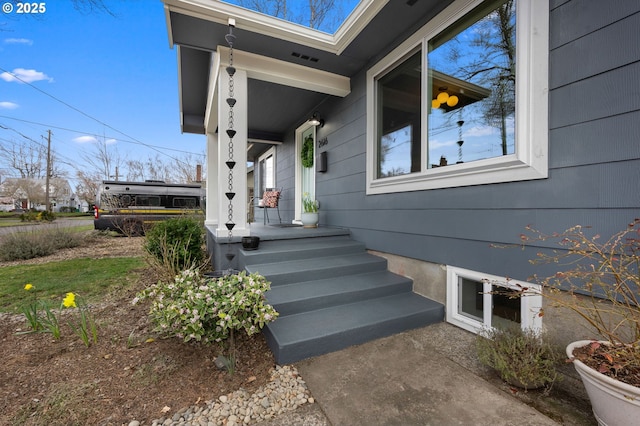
(321, 302)
(289, 277)
(279, 251)
(334, 342)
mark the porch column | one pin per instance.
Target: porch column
(211, 217)
(239, 171)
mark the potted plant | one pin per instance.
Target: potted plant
(602, 286)
(310, 211)
(522, 358)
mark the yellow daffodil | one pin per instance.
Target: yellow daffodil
(28, 287)
(69, 301)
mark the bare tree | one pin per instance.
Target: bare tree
(313, 15)
(87, 187)
(185, 168)
(176, 170)
(319, 10)
(91, 6)
(495, 66)
(104, 160)
(26, 159)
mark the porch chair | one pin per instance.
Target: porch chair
(270, 200)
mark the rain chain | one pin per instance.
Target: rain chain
(231, 101)
(460, 141)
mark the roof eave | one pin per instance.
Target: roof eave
(220, 12)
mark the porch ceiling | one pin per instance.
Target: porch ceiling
(275, 109)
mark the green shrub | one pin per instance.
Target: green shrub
(521, 357)
(46, 216)
(193, 307)
(29, 216)
(37, 243)
(176, 244)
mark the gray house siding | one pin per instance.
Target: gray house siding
(594, 158)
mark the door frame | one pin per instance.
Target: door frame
(298, 169)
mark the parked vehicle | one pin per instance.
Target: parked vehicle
(130, 207)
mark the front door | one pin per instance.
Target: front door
(305, 166)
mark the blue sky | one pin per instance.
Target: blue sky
(119, 70)
(117, 73)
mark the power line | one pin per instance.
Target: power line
(95, 135)
(89, 116)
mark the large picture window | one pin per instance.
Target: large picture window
(462, 102)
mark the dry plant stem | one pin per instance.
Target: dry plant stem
(598, 281)
(601, 272)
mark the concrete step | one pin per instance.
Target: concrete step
(295, 337)
(295, 271)
(290, 299)
(285, 250)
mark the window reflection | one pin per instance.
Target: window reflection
(472, 81)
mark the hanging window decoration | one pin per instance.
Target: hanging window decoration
(306, 156)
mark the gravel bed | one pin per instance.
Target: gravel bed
(285, 392)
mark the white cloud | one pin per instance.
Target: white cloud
(436, 144)
(22, 75)
(480, 131)
(18, 41)
(8, 105)
(85, 139)
(110, 141)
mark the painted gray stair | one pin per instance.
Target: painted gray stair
(295, 271)
(306, 296)
(301, 248)
(295, 337)
(331, 294)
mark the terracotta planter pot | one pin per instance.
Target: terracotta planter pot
(613, 402)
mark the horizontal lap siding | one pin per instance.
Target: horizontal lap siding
(594, 158)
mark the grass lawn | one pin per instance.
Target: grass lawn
(12, 222)
(90, 278)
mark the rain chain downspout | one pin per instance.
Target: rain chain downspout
(231, 101)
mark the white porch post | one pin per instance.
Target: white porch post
(239, 171)
(212, 219)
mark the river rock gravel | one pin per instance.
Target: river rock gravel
(285, 392)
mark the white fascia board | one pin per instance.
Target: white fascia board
(276, 71)
(180, 90)
(364, 12)
(220, 12)
(167, 18)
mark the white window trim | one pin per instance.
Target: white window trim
(530, 160)
(269, 152)
(530, 305)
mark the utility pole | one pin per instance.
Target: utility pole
(46, 194)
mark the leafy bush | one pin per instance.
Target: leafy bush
(521, 357)
(29, 216)
(176, 244)
(38, 243)
(194, 307)
(46, 216)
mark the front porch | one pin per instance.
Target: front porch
(219, 247)
(329, 291)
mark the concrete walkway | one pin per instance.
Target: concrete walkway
(427, 376)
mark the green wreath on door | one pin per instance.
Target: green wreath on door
(306, 156)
